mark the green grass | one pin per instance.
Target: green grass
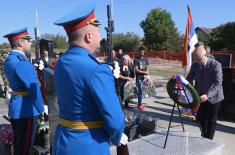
(163, 73)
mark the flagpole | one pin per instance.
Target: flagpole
(111, 4)
(37, 23)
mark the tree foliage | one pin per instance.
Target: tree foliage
(60, 41)
(5, 46)
(160, 32)
(127, 42)
(223, 37)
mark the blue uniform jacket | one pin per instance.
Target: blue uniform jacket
(22, 77)
(86, 92)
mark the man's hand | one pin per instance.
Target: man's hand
(129, 78)
(147, 72)
(141, 71)
(124, 139)
(195, 109)
(204, 98)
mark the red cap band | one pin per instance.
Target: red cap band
(21, 35)
(77, 25)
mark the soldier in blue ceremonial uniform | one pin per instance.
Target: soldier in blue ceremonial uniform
(89, 109)
(26, 103)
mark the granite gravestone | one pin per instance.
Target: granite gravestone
(53, 109)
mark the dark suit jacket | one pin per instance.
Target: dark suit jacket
(210, 82)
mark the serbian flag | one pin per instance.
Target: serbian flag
(189, 41)
(181, 81)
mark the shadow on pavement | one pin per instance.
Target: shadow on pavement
(176, 119)
(164, 103)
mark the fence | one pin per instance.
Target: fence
(171, 55)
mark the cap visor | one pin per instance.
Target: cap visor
(27, 38)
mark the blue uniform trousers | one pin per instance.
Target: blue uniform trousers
(24, 130)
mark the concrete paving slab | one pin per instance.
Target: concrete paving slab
(179, 143)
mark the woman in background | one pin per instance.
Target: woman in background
(127, 74)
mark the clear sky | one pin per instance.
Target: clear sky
(127, 14)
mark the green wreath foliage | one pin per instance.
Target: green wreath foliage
(171, 90)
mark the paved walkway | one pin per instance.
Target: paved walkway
(160, 107)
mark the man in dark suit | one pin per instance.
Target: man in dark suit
(207, 73)
(45, 59)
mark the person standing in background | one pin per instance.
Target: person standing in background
(3, 57)
(141, 69)
(127, 74)
(208, 52)
(45, 59)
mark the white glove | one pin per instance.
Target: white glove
(8, 96)
(116, 71)
(46, 109)
(36, 65)
(124, 139)
(41, 65)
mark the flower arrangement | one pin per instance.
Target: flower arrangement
(6, 136)
(43, 125)
(43, 137)
(130, 90)
(147, 86)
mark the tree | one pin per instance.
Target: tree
(127, 42)
(160, 32)
(223, 37)
(60, 41)
(5, 46)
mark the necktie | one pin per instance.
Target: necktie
(202, 72)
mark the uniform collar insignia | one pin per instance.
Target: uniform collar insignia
(98, 60)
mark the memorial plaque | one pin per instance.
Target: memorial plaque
(48, 46)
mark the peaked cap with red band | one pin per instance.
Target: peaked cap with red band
(20, 33)
(78, 19)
